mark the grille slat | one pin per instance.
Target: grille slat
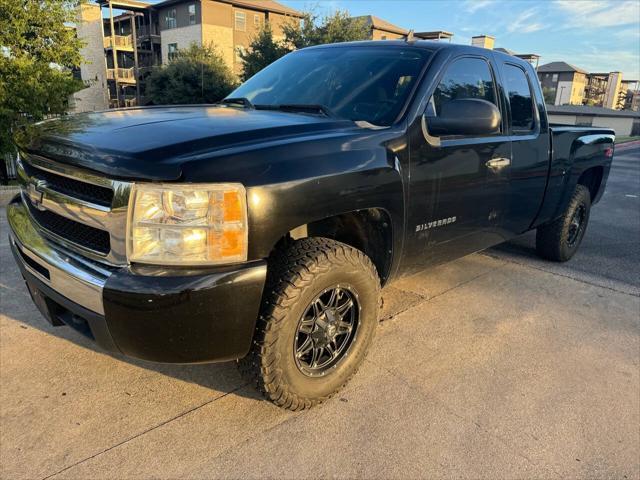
(74, 232)
(72, 188)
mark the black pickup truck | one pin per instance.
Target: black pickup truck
(261, 229)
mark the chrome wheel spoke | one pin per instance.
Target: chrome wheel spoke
(315, 357)
(344, 327)
(331, 350)
(344, 308)
(326, 330)
(306, 346)
(306, 326)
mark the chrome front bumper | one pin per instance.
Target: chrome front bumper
(72, 276)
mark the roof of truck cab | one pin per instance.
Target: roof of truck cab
(431, 45)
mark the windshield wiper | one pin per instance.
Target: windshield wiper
(299, 107)
(244, 101)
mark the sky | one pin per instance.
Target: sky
(597, 36)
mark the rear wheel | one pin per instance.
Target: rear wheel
(560, 239)
(319, 314)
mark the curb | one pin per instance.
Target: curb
(627, 145)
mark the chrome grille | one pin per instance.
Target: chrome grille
(74, 188)
(80, 210)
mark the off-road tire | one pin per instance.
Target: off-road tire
(297, 272)
(552, 239)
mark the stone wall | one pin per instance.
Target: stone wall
(183, 37)
(93, 71)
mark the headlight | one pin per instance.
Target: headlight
(187, 224)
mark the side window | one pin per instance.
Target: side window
(464, 78)
(520, 99)
(171, 19)
(240, 21)
(172, 51)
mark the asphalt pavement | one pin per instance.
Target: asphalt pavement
(498, 365)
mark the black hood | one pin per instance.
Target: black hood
(152, 143)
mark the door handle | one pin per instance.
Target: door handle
(498, 163)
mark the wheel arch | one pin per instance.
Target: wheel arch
(369, 230)
(592, 179)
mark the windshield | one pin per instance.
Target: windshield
(357, 83)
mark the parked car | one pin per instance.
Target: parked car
(263, 228)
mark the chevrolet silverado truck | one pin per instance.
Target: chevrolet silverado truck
(261, 229)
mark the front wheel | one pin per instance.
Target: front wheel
(560, 239)
(318, 318)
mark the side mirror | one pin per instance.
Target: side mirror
(465, 116)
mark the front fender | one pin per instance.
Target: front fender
(276, 209)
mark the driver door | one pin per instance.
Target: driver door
(457, 183)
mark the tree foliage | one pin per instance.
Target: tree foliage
(263, 51)
(197, 74)
(311, 30)
(37, 52)
(315, 30)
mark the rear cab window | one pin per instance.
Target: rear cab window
(518, 89)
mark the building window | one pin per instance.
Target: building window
(555, 77)
(241, 21)
(240, 50)
(170, 19)
(256, 20)
(172, 51)
(192, 14)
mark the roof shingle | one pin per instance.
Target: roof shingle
(559, 67)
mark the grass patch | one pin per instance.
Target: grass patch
(625, 139)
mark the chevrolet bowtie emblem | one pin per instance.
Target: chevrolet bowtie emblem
(35, 193)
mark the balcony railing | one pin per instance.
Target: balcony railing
(144, 30)
(125, 75)
(123, 42)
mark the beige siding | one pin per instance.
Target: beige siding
(577, 88)
(621, 125)
(221, 39)
(93, 71)
(183, 37)
(219, 29)
(277, 21)
(377, 34)
(563, 119)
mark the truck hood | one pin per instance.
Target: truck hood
(152, 143)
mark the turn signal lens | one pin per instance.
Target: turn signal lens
(187, 224)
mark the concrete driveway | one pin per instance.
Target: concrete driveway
(498, 365)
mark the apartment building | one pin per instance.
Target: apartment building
(127, 39)
(381, 29)
(384, 30)
(562, 83)
(631, 94)
(532, 58)
(229, 25)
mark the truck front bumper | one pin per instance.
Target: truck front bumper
(161, 315)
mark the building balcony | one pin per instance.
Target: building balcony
(123, 75)
(122, 42)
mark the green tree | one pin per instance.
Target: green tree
(311, 30)
(263, 51)
(197, 74)
(315, 30)
(38, 51)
